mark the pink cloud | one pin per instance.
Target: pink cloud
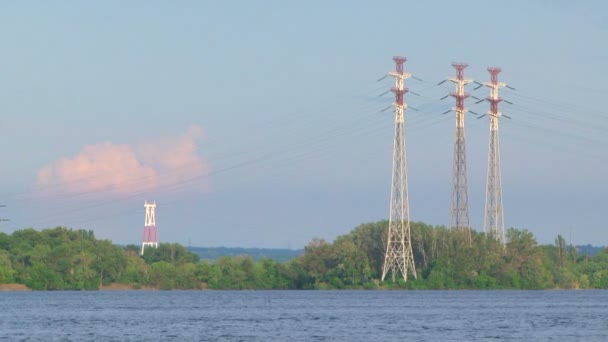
(124, 169)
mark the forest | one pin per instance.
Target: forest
(67, 259)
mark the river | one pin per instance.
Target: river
(304, 316)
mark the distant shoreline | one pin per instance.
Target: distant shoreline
(126, 287)
(132, 287)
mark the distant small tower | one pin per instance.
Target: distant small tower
(150, 231)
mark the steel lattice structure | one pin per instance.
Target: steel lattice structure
(494, 222)
(399, 256)
(459, 210)
(150, 232)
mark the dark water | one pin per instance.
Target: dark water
(304, 316)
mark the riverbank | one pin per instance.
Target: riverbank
(125, 287)
(14, 287)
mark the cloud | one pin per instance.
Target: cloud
(124, 169)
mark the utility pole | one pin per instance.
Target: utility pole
(459, 211)
(494, 222)
(150, 231)
(399, 256)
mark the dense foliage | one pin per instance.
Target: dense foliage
(278, 254)
(65, 259)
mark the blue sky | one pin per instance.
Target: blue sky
(291, 144)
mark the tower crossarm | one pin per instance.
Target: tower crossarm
(399, 98)
(494, 112)
(400, 75)
(460, 97)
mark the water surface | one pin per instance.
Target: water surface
(304, 316)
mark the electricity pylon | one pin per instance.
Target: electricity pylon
(399, 256)
(494, 221)
(459, 210)
(150, 231)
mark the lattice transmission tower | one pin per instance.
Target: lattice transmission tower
(399, 256)
(150, 231)
(459, 209)
(494, 221)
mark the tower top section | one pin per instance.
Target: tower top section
(494, 71)
(459, 69)
(494, 86)
(399, 61)
(399, 74)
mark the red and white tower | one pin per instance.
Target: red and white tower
(399, 257)
(494, 221)
(459, 212)
(150, 231)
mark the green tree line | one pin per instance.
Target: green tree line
(66, 259)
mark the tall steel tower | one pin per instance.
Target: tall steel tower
(150, 231)
(494, 222)
(459, 212)
(399, 255)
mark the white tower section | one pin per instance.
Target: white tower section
(150, 232)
